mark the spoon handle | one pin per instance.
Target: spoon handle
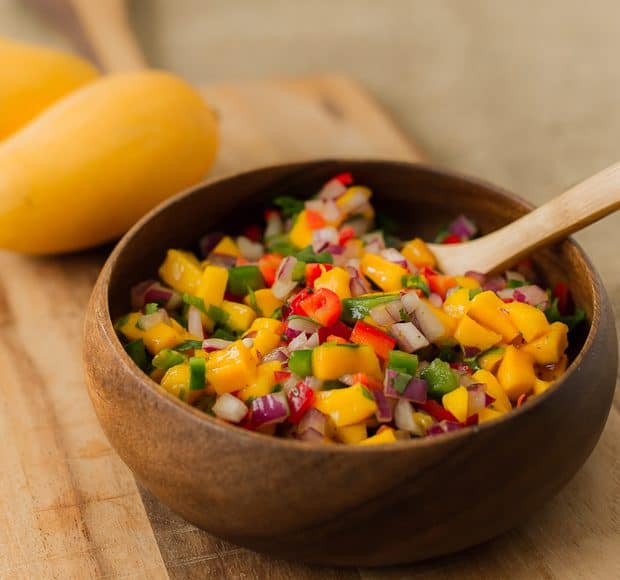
(582, 204)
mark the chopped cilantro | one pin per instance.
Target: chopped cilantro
(417, 282)
(289, 206)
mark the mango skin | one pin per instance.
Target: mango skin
(92, 164)
(32, 78)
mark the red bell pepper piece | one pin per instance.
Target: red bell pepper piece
(339, 329)
(314, 271)
(560, 291)
(315, 220)
(451, 239)
(346, 233)
(241, 261)
(280, 376)
(471, 420)
(434, 409)
(440, 284)
(380, 342)
(323, 306)
(268, 266)
(334, 338)
(295, 305)
(300, 399)
(253, 233)
(344, 178)
(370, 382)
(462, 367)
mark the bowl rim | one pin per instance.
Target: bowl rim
(190, 413)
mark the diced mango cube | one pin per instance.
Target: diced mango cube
(240, 316)
(467, 282)
(176, 381)
(492, 386)
(456, 402)
(231, 369)
(213, 285)
(227, 246)
(332, 360)
(266, 302)
(301, 234)
(386, 435)
(337, 280)
(541, 386)
(161, 336)
(346, 406)
(264, 382)
(417, 252)
(129, 329)
(490, 311)
(449, 324)
(457, 303)
(470, 333)
(516, 373)
(385, 274)
(550, 347)
(488, 414)
(489, 361)
(263, 323)
(352, 434)
(359, 192)
(181, 270)
(530, 321)
(264, 342)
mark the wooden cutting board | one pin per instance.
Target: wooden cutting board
(71, 509)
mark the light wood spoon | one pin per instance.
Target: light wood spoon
(574, 209)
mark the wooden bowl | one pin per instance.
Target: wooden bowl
(336, 504)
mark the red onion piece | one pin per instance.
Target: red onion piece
(416, 391)
(477, 398)
(443, 427)
(314, 383)
(470, 351)
(408, 336)
(274, 226)
(284, 283)
(323, 237)
(395, 310)
(194, 322)
(290, 333)
(310, 435)
(280, 354)
(333, 189)
(302, 325)
(151, 291)
(304, 341)
(381, 315)
(313, 419)
(385, 407)
(410, 300)
(230, 408)
(394, 256)
(533, 295)
(137, 293)
(269, 409)
(514, 275)
(495, 283)
(428, 323)
(250, 250)
(211, 344)
(357, 284)
(403, 418)
(222, 260)
(506, 293)
(463, 227)
(435, 300)
(208, 242)
(147, 321)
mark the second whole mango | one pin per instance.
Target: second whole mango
(92, 164)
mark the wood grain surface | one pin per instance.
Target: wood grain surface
(71, 509)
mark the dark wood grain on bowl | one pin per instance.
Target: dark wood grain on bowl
(335, 504)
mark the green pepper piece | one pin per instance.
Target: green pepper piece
(416, 282)
(288, 205)
(167, 358)
(224, 334)
(188, 345)
(242, 278)
(358, 307)
(473, 292)
(279, 244)
(299, 271)
(307, 255)
(151, 308)
(440, 378)
(218, 315)
(300, 362)
(197, 373)
(403, 362)
(136, 350)
(195, 301)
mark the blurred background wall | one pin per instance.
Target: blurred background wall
(524, 93)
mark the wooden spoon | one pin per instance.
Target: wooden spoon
(574, 209)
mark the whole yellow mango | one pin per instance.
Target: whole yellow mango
(32, 78)
(89, 166)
